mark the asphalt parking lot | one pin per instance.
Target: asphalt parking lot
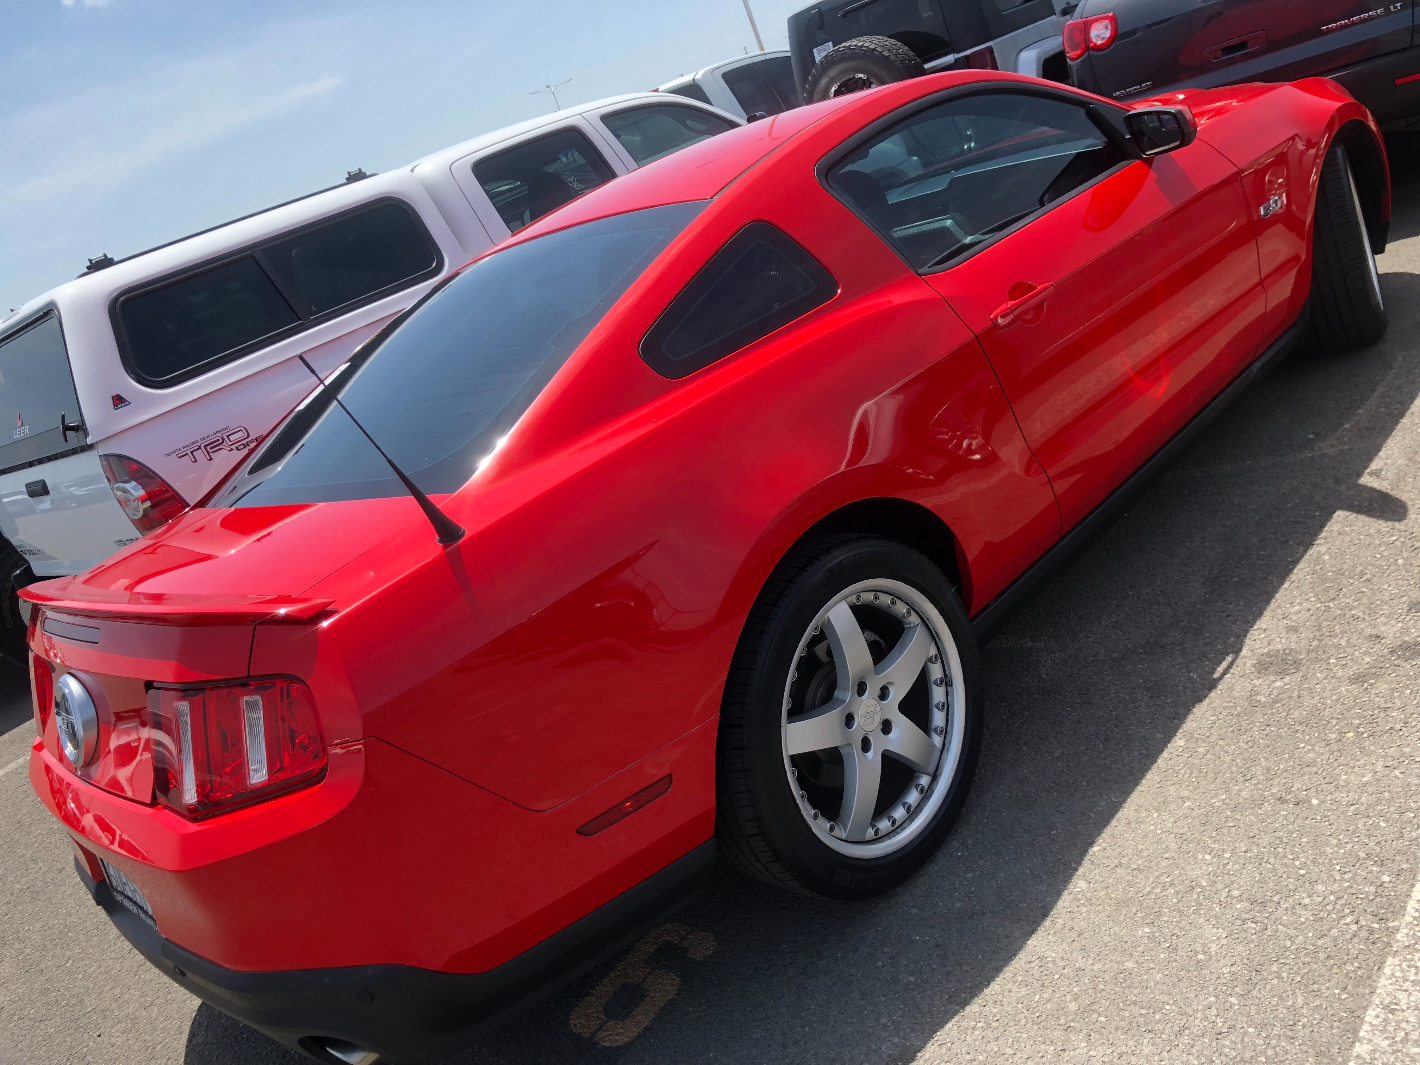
(1194, 834)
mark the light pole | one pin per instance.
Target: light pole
(552, 89)
(752, 25)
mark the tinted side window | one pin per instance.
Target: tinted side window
(182, 326)
(751, 91)
(539, 176)
(35, 389)
(759, 281)
(647, 133)
(951, 177)
(187, 326)
(780, 72)
(688, 89)
(352, 258)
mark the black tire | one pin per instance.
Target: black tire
(862, 63)
(764, 827)
(1347, 308)
(15, 573)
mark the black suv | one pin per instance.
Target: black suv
(1124, 48)
(931, 35)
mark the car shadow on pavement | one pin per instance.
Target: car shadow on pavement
(18, 711)
(1085, 690)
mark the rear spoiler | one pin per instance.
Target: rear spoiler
(69, 596)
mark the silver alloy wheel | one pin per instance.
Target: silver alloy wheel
(874, 715)
(1365, 237)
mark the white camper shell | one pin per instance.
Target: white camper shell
(181, 358)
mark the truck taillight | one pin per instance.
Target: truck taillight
(983, 59)
(1093, 34)
(147, 499)
(218, 747)
(42, 688)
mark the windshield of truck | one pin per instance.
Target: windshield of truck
(441, 388)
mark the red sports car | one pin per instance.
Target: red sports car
(672, 525)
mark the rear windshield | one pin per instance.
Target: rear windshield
(35, 389)
(439, 390)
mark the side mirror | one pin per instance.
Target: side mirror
(756, 116)
(1160, 130)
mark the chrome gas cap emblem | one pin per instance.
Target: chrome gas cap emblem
(869, 714)
(76, 719)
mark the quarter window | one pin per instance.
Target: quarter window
(648, 133)
(951, 177)
(211, 315)
(758, 282)
(541, 175)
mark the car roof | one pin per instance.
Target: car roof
(698, 172)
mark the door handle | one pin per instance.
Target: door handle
(1219, 53)
(1010, 313)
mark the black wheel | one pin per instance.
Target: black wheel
(15, 573)
(1347, 309)
(851, 721)
(862, 63)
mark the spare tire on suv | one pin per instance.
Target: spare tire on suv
(862, 63)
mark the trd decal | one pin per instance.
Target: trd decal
(119, 402)
(229, 438)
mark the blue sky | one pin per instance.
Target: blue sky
(126, 123)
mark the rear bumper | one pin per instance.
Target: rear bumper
(400, 1011)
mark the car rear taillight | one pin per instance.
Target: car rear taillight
(1093, 34)
(983, 59)
(42, 689)
(145, 497)
(222, 746)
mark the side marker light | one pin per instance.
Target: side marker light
(626, 807)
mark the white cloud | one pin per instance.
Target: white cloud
(86, 3)
(182, 112)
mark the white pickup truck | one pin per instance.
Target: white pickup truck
(136, 387)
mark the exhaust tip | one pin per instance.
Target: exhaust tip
(343, 1052)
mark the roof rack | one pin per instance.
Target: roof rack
(103, 262)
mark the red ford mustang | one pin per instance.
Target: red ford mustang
(674, 523)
